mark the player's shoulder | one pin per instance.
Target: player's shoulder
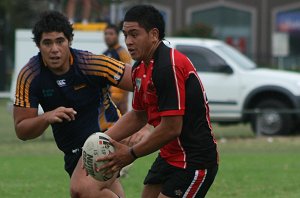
(85, 59)
(173, 53)
(33, 67)
(81, 54)
(162, 56)
(136, 64)
(120, 48)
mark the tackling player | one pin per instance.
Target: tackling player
(72, 87)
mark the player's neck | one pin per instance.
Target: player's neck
(114, 47)
(150, 54)
(62, 69)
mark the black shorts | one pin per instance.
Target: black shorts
(71, 160)
(177, 182)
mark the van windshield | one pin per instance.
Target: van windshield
(241, 60)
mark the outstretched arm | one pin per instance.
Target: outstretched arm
(126, 81)
(127, 125)
(29, 125)
(168, 130)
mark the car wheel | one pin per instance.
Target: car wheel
(271, 118)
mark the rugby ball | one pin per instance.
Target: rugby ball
(96, 145)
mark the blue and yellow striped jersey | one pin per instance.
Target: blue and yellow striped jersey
(84, 87)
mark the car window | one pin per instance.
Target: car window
(202, 58)
(240, 59)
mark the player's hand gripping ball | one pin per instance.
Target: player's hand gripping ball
(97, 145)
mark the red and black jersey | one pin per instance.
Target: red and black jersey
(170, 86)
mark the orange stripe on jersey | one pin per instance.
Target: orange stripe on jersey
(102, 74)
(114, 64)
(124, 56)
(25, 78)
(17, 94)
(104, 66)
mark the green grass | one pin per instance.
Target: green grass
(250, 167)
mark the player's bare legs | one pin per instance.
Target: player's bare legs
(86, 186)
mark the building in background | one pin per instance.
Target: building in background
(251, 26)
(267, 31)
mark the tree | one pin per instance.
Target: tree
(14, 14)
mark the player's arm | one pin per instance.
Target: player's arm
(169, 129)
(126, 81)
(127, 125)
(29, 125)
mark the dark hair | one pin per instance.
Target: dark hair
(114, 27)
(147, 17)
(52, 21)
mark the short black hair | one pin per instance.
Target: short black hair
(114, 27)
(52, 21)
(147, 17)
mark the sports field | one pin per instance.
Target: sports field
(249, 167)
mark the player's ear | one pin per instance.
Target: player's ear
(154, 34)
(70, 41)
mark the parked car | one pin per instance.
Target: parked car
(240, 92)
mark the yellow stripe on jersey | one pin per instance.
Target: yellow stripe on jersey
(104, 66)
(111, 63)
(17, 94)
(24, 80)
(105, 117)
(101, 74)
(125, 56)
(104, 124)
(112, 69)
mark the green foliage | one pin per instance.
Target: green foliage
(195, 30)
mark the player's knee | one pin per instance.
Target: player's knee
(78, 190)
(84, 189)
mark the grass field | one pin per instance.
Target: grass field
(249, 166)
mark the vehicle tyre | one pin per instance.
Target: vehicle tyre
(271, 118)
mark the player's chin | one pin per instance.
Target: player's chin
(135, 56)
(55, 64)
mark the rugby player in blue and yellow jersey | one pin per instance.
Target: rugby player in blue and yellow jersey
(72, 87)
(118, 52)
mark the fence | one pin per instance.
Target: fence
(4, 95)
(264, 118)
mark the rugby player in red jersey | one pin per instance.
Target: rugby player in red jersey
(169, 95)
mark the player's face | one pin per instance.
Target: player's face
(138, 41)
(110, 37)
(54, 47)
